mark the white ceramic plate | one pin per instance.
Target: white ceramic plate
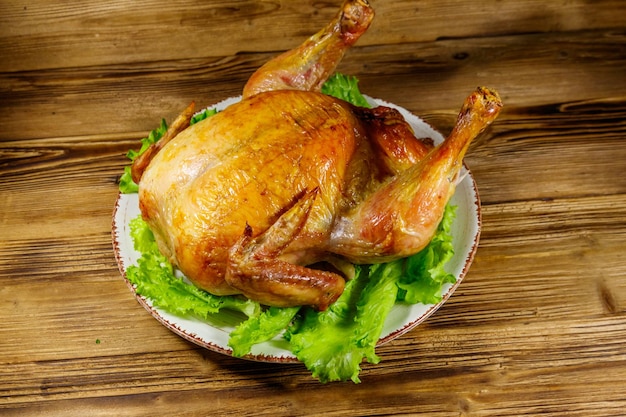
(213, 334)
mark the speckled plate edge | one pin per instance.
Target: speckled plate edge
(213, 335)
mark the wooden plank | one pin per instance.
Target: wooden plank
(536, 327)
(489, 306)
(90, 33)
(537, 368)
(429, 79)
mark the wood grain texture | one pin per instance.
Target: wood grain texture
(430, 79)
(56, 34)
(537, 327)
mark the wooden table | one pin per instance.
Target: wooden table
(537, 327)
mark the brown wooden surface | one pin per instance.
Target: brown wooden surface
(538, 326)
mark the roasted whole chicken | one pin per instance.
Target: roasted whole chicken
(277, 196)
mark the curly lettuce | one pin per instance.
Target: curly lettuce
(424, 273)
(332, 344)
(345, 87)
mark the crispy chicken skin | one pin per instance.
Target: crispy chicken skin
(245, 202)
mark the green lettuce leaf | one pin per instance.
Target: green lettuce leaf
(126, 183)
(332, 344)
(260, 328)
(204, 114)
(345, 87)
(424, 273)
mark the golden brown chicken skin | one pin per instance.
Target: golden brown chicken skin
(243, 201)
